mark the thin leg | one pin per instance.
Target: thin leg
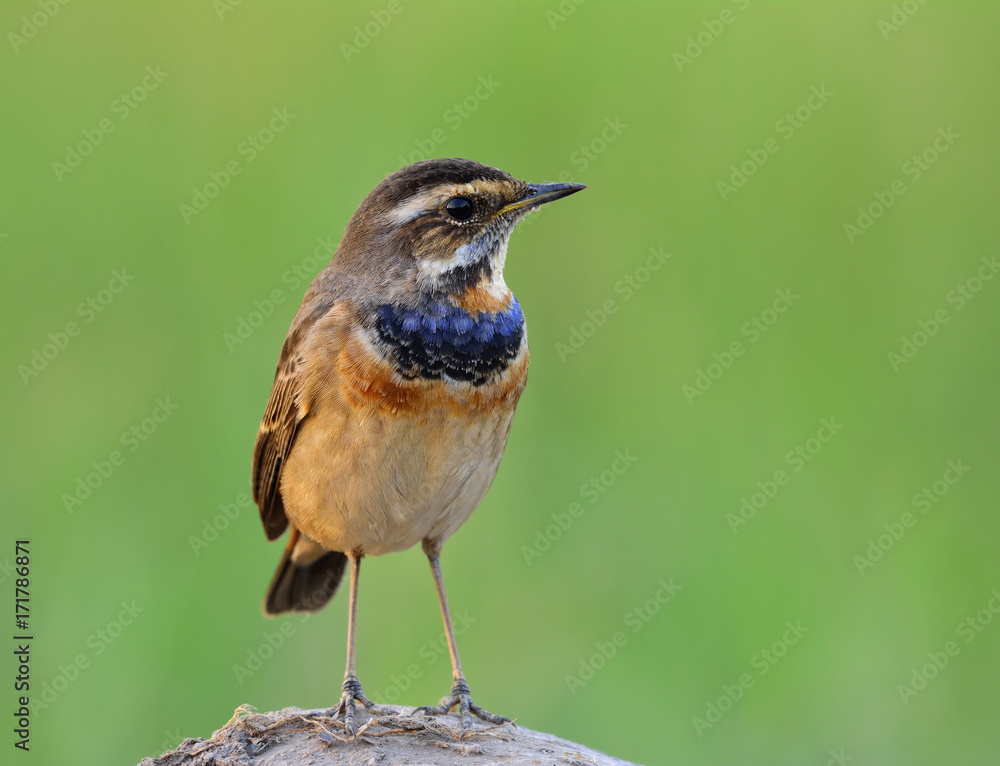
(352, 687)
(459, 695)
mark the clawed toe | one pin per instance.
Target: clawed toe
(352, 693)
(461, 698)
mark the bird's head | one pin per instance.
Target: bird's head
(439, 229)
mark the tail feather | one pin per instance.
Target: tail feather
(306, 578)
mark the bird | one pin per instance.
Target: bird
(394, 393)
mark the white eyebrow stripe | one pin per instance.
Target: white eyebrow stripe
(428, 200)
(415, 206)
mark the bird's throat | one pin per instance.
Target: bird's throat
(440, 339)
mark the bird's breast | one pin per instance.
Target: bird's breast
(437, 357)
(388, 456)
(447, 340)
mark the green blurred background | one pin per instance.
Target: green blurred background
(651, 105)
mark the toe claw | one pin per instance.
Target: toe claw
(486, 715)
(462, 700)
(349, 698)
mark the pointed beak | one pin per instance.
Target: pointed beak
(539, 194)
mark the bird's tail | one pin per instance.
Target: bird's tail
(306, 579)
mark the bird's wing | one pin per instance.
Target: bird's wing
(286, 409)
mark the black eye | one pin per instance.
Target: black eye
(460, 208)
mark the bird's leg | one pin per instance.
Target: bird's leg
(352, 687)
(459, 696)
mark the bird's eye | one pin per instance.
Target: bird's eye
(460, 208)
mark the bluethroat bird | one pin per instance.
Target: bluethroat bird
(395, 391)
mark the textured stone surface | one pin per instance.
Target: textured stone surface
(315, 737)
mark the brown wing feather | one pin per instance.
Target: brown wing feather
(285, 411)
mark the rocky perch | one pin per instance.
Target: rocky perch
(316, 737)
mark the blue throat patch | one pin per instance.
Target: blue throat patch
(441, 339)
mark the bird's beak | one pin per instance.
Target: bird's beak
(539, 194)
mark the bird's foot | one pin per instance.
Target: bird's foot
(352, 693)
(461, 697)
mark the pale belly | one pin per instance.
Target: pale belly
(372, 481)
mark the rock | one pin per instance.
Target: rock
(317, 737)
